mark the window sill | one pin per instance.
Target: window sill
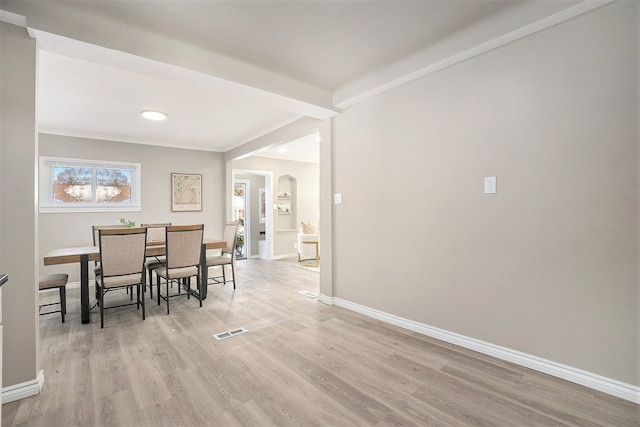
(70, 209)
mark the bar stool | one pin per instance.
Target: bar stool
(55, 281)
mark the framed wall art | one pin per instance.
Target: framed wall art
(186, 192)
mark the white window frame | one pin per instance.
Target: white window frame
(47, 205)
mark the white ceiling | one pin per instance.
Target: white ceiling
(228, 72)
(83, 98)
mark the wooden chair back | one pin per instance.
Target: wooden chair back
(96, 228)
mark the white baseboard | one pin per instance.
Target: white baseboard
(325, 299)
(22, 390)
(594, 381)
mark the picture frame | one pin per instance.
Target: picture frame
(186, 192)
(262, 201)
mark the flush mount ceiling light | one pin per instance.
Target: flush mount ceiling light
(153, 115)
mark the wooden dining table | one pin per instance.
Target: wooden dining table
(84, 254)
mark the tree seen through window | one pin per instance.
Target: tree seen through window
(89, 185)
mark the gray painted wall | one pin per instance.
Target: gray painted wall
(18, 230)
(548, 265)
(157, 164)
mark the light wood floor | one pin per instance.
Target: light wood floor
(302, 363)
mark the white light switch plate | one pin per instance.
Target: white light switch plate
(490, 185)
(337, 198)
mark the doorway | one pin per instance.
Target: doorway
(269, 161)
(242, 211)
(251, 200)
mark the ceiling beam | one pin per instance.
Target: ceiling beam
(187, 77)
(66, 30)
(295, 130)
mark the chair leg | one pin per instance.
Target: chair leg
(199, 284)
(167, 293)
(101, 308)
(233, 275)
(63, 301)
(158, 288)
(141, 300)
(151, 283)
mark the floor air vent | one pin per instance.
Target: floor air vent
(308, 294)
(229, 334)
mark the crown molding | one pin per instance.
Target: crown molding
(448, 54)
(13, 18)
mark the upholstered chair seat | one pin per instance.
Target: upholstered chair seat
(227, 256)
(53, 281)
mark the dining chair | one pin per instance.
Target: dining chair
(122, 256)
(184, 247)
(155, 236)
(227, 256)
(53, 281)
(95, 230)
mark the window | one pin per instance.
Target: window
(74, 185)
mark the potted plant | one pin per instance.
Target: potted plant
(127, 223)
(240, 238)
(239, 243)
